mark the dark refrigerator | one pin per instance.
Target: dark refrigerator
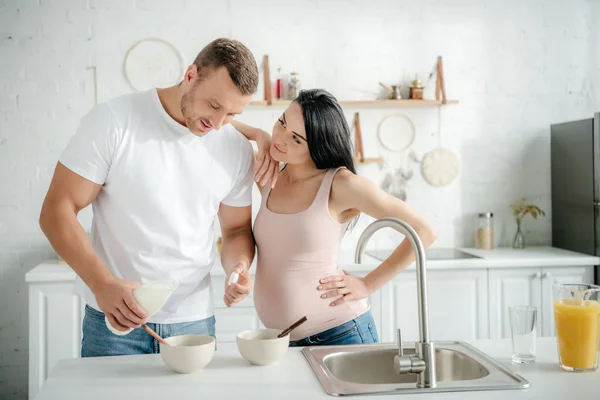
(575, 163)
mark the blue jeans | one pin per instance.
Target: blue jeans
(360, 330)
(98, 341)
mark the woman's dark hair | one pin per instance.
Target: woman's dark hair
(327, 132)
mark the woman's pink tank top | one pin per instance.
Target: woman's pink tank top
(295, 251)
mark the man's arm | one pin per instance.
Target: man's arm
(68, 194)
(237, 251)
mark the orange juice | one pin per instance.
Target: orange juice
(578, 332)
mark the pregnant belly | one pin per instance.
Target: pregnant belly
(283, 297)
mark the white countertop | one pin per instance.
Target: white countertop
(502, 257)
(229, 376)
(496, 258)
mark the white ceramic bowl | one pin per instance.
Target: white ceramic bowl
(188, 353)
(262, 346)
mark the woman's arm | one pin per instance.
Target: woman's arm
(352, 194)
(250, 132)
(265, 168)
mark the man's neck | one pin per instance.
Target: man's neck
(170, 98)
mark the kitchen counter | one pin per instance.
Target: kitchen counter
(503, 257)
(229, 376)
(496, 258)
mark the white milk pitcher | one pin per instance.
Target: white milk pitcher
(152, 297)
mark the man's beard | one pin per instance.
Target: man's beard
(186, 104)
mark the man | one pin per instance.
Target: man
(158, 167)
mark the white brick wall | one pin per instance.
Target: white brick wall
(516, 67)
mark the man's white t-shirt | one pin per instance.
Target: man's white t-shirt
(162, 187)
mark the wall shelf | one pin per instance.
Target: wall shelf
(369, 160)
(402, 102)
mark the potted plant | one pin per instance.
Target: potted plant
(520, 209)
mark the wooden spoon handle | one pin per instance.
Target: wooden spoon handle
(154, 335)
(291, 328)
(386, 87)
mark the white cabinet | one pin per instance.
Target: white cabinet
(528, 286)
(457, 304)
(55, 315)
(509, 287)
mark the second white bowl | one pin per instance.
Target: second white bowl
(262, 346)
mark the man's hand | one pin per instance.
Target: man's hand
(265, 168)
(238, 290)
(115, 299)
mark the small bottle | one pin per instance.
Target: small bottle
(484, 239)
(279, 85)
(293, 86)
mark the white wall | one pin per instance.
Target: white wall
(515, 66)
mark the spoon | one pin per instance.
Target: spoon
(292, 327)
(155, 335)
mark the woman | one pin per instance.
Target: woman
(303, 218)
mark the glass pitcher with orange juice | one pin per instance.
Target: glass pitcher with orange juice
(577, 319)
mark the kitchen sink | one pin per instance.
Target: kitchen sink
(369, 369)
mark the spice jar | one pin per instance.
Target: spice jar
(484, 239)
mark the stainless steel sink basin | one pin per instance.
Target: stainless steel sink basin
(369, 369)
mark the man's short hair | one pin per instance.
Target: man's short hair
(234, 56)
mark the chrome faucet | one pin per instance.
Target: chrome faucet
(423, 363)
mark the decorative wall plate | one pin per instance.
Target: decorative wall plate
(152, 63)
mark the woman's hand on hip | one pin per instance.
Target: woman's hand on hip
(344, 288)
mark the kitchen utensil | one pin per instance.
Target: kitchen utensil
(441, 165)
(151, 63)
(394, 91)
(154, 334)
(187, 353)
(440, 83)
(358, 144)
(267, 80)
(292, 327)
(396, 132)
(386, 87)
(262, 346)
